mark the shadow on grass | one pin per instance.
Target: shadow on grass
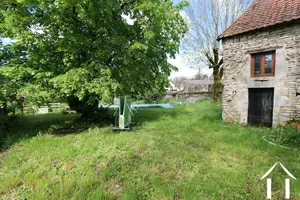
(212, 116)
(155, 114)
(18, 128)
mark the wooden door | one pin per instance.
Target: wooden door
(260, 110)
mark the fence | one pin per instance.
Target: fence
(47, 108)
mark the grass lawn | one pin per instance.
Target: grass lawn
(181, 153)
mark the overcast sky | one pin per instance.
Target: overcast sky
(5, 41)
(183, 70)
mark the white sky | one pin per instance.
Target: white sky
(128, 19)
(182, 69)
(5, 41)
(185, 71)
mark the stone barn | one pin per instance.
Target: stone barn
(261, 53)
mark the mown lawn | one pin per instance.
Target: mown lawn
(182, 153)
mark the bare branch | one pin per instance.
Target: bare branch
(207, 19)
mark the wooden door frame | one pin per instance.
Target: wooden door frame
(273, 100)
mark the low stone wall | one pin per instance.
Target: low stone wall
(188, 97)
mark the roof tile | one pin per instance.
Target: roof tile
(264, 13)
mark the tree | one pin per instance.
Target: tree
(200, 76)
(177, 81)
(7, 87)
(87, 51)
(15, 79)
(207, 19)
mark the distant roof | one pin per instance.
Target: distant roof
(199, 82)
(264, 13)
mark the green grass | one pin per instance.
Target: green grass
(182, 153)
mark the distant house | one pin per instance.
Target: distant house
(192, 86)
(261, 52)
(172, 87)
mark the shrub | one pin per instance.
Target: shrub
(288, 135)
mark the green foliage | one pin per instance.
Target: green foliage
(156, 92)
(151, 96)
(8, 89)
(18, 82)
(288, 136)
(88, 49)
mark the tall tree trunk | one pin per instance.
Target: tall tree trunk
(5, 111)
(22, 107)
(81, 106)
(217, 86)
(216, 64)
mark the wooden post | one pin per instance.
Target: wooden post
(269, 188)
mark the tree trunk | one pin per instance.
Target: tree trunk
(215, 63)
(217, 86)
(87, 110)
(22, 107)
(5, 111)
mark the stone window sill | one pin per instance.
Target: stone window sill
(263, 79)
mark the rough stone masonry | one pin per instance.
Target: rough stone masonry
(237, 50)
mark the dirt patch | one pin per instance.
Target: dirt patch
(114, 188)
(98, 167)
(3, 156)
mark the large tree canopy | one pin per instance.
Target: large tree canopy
(90, 49)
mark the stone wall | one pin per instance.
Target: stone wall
(189, 88)
(188, 98)
(285, 40)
